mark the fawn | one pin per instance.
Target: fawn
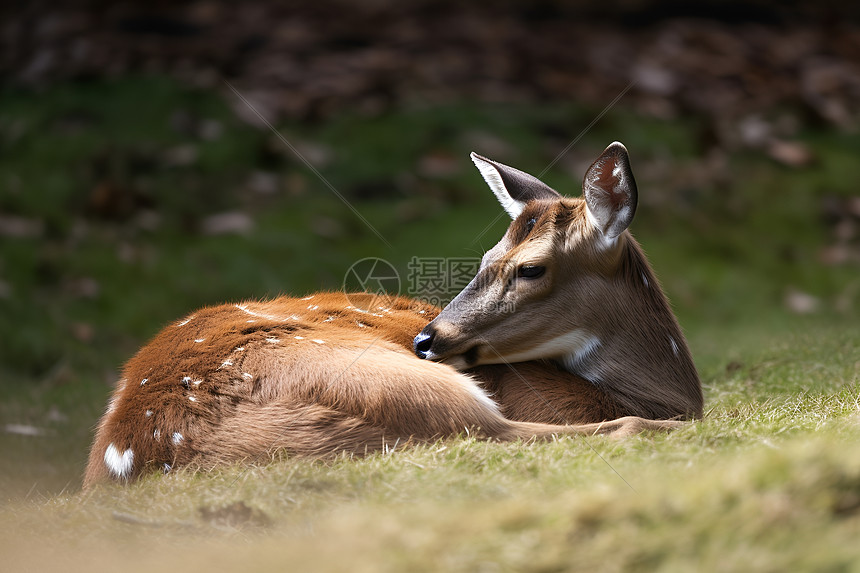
(564, 330)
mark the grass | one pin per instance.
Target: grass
(761, 489)
(769, 481)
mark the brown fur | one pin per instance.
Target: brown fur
(612, 294)
(593, 308)
(596, 346)
(540, 391)
(257, 389)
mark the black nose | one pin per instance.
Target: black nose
(423, 342)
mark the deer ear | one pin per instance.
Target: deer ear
(610, 191)
(513, 188)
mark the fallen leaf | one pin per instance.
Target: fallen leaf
(210, 130)
(439, 165)
(263, 182)
(800, 302)
(83, 287)
(20, 227)
(55, 415)
(791, 153)
(82, 331)
(326, 227)
(180, 156)
(23, 430)
(230, 223)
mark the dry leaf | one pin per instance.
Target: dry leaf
(230, 223)
(800, 302)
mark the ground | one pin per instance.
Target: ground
(129, 202)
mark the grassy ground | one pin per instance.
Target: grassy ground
(119, 181)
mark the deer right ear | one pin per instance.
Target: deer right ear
(512, 187)
(610, 191)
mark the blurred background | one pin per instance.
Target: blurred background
(136, 184)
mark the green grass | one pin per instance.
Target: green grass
(768, 486)
(769, 481)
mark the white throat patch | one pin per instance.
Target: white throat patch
(571, 348)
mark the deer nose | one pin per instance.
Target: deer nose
(423, 342)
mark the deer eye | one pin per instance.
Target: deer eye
(530, 271)
(530, 224)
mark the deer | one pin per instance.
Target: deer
(564, 330)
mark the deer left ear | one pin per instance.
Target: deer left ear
(610, 191)
(512, 187)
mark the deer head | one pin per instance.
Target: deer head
(569, 283)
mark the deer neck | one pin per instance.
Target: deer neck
(640, 356)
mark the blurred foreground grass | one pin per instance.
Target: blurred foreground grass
(137, 200)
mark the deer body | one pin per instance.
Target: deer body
(324, 374)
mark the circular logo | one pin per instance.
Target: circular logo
(371, 284)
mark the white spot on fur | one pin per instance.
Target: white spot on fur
(199, 340)
(300, 337)
(294, 317)
(273, 340)
(119, 464)
(144, 381)
(177, 437)
(313, 306)
(422, 312)
(225, 364)
(361, 324)
(192, 398)
(148, 413)
(362, 311)
(186, 379)
(318, 341)
(247, 375)
(329, 319)
(244, 308)
(239, 349)
(186, 321)
(674, 345)
(156, 434)
(308, 297)
(197, 382)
